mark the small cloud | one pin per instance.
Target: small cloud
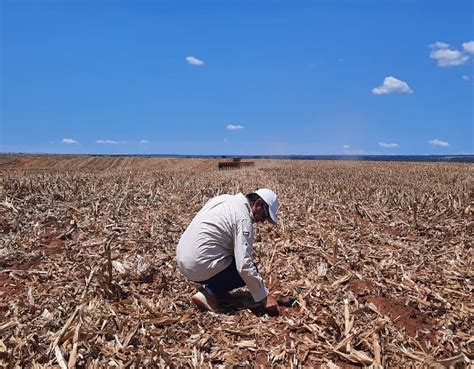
(391, 85)
(346, 147)
(144, 142)
(111, 142)
(468, 46)
(437, 142)
(194, 61)
(235, 126)
(69, 141)
(341, 60)
(225, 139)
(389, 145)
(446, 56)
(466, 78)
(439, 45)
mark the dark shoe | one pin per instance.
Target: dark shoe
(205, 301)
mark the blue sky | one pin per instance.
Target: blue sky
(237, 77)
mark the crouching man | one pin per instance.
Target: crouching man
(216, 248)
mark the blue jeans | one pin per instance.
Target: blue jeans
(225, 281)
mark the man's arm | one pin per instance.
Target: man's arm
(248, 271)
(243, 244)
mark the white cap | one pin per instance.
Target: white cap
(271, 200)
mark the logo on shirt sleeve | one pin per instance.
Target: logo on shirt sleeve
(247, 232)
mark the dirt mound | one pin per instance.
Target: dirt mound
(414, 323)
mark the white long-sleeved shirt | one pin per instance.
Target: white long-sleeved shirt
(222, 229)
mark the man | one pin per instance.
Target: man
(216, 248)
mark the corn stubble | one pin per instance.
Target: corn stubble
(372, 265)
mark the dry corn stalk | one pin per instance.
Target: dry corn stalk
(372, 264)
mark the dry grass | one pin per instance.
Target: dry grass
(372, 264)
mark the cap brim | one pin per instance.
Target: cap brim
(273, 217)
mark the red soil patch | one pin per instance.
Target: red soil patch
(414, 322)
(285, 311)
(7, 286)
(261, 361)
(53, 247)
(23, 266)
(13, 287)
(361, 287)
(10, 287)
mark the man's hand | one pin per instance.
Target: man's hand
(270, 305)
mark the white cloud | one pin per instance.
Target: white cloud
(144, 142)
(235, 126)
(469, 46)
(225, 139)
(194, 61)
(439, 45)
(466, 78)
(390, 85)
(437, 142)
(446, 56)
(449, 58)
(69, 141)
(112, 142)
(389, 145)
(346, 147)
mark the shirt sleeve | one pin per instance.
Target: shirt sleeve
(243, 259)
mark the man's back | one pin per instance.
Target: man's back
(207, 245)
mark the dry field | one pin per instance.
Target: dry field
(372, 264)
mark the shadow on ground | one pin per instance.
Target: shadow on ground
(241, 300)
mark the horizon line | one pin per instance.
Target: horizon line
(464, 158)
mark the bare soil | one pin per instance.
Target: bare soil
(371, 264)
